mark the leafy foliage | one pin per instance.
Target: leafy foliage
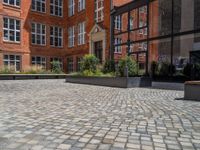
(154, 68)
(165, 68)
(56, 68)
(109, 66)
(131, 64)
(187, 70)
(89, 63)
(7, 70)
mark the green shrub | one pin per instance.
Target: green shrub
(56, 68)
(87, 73)
(89, 63)
(197, 71)
(165, 68)
(7, 70)
(131, 64)
(109, 66)
(154, 68)
(34, 69)
(187, 70)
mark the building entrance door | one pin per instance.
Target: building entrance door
(98, 50)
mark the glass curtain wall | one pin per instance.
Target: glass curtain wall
(163, 36)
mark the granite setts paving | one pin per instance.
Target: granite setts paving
(52, 114)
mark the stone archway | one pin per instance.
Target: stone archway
(97, 34)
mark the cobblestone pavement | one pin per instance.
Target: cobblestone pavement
(51, 114)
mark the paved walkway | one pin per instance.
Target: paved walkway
(51, 114)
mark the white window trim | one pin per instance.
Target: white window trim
(71, 37)
(15, 5)
(41, 35)
(71, 7)
(99, 10)
(15, 61)
(35, 10)
(53, 36)
(81, 5)
(118, 22)
(140, 46)
(71, 64)
(54, 5)
(15, 30)
(81, 33)
(131, 23)
(118, 49)
(41, 62)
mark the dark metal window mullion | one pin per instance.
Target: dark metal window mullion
(128, 42)
(147, 51)
(172, 38)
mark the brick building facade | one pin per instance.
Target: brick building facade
(39, 31)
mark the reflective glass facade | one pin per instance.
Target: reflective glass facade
(159, 31)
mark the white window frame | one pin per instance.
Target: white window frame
(9, 3)
(81, 5)
(99, 11)
(118, 49)
(144, 45)
(15, 61)
(118, 22)
(78, 64)
(58, 36)
(54, 6)
(145, 31)
(43, 2)
(70, 65)
(131, 23)
(40, 34)
(81, 33)
(71, 7)
(71, 36)
(43, 61)
(8, 30)
(140, 46)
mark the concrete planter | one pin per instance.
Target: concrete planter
(121, 82)
(192, 90)
(31, 76)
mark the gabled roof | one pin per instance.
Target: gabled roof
(97, 28)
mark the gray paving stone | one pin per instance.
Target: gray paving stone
(52, 114)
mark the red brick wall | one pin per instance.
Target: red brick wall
(120, 2)
(26, 49)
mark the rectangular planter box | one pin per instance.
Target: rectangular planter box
(121, 82)
(192, 90)
(31, 76)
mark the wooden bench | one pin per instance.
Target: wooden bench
(192, 90)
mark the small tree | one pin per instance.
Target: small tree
(131, 64)
(165, 69)
(89, 63)
(109, 66)
(56, 68)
